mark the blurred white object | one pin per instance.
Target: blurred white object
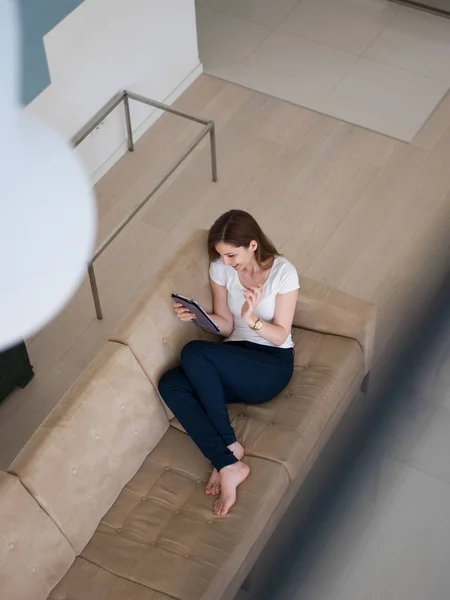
(47, 207)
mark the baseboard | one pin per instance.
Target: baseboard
(144, 126)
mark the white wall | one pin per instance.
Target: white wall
(104, 46)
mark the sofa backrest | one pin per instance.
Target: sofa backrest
(156, 337)
(92, 443)
(151, 329)
(34, 554)
(325, 309)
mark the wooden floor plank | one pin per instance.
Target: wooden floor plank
(314, 178)
(328, 212)
(393, 184)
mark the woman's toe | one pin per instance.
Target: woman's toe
(213, 486)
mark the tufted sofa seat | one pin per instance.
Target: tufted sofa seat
(326, 369)
(162, 534)
(107, 502)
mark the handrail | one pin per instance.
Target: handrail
(125, 96)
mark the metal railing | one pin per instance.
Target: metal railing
(125, 97)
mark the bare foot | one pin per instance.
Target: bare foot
(230, 477)
(213, 485)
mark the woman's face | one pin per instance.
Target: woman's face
(239, 257)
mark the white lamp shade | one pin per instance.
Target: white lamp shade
(47, 209)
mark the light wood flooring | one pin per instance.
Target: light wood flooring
(363, 212)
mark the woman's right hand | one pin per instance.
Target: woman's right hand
(182, 312)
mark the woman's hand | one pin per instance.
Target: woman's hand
(182, 312)
(252, 299)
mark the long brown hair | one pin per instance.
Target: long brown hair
(238, 228)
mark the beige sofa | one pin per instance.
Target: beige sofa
(107, 502)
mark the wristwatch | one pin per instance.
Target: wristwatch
(257, 326)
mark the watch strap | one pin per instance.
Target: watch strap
(258, 324)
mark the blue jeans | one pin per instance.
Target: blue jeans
(213, 375)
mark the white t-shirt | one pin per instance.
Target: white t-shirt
(283, 278)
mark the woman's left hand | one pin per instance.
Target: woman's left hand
(252, 299)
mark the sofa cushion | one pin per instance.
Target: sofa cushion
(34, 554)
(151, 329)
(92, 443)
(328, 370)
(325, 309)
(86, 581)
(162, 532)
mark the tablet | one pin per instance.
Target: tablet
(202, 319)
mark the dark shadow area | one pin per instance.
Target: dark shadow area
(303, 531)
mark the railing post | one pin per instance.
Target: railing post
(95, 295)
(212, 139)
(125, 96)
(126, 104)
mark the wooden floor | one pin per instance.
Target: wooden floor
(365, 213)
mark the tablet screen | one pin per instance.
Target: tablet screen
(202, 319)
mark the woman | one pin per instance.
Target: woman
(254, 293)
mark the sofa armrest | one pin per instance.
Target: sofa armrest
(325, 309)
